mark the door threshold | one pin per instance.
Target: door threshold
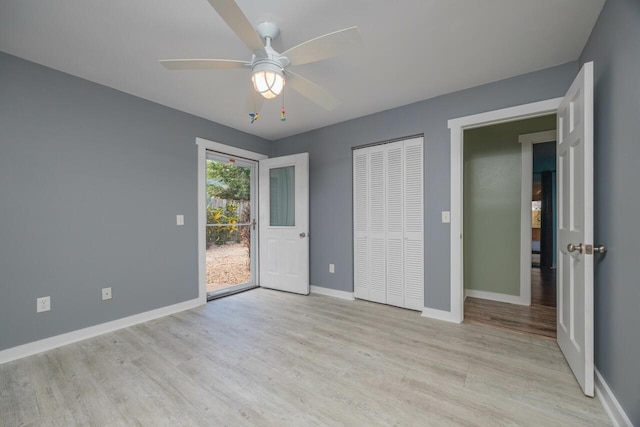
(226, 292)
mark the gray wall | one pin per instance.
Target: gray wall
(614, 46)
(492, 199)
(331, 181)
(91, 180)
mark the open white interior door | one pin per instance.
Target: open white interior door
(575, 227)
(284, 223)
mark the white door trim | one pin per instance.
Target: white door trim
(527, 140)
(229, 149)
(203, 145)
(457, 127)
(494, 296)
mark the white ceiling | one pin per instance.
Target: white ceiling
(413, 50)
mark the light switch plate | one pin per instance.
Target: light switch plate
(43, 304)
(332, 268)
(179, 219)
(446, 217)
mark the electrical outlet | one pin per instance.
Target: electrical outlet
(106, 293)
(332, 268)
(43, 304)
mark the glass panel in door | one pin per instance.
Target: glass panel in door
(282, 197)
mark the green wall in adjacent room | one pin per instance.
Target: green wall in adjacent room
(492, 181)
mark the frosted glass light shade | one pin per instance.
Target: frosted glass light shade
(268, 83)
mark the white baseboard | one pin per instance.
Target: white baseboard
(39, 346)
(434, 313)
(332, 292)
(611, 405)
(511, 299)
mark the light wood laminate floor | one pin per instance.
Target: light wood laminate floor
(538, 319)
(268, 358)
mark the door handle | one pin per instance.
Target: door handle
(601, 249)
(574, 248)
(303, 235)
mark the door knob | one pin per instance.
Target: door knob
(574, 248)
(600, 249)
(303, 235)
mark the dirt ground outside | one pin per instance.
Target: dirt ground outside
(227, 265)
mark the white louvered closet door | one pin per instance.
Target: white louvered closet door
(394, 222)
(413, 224)
(377, 228)
(361, 223)
(388, 223)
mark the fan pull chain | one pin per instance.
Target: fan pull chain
(283, 116)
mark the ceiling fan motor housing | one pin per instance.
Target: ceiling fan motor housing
(268, 29)
(267, 73)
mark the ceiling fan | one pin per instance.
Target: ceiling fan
(270, 69)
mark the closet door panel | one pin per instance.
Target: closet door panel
(377, 224)
(414, 279)
(378, 288)
(394, 222)
(360, 223)
(395, 272)
(413, 224)
(413, 188)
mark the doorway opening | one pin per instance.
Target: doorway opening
(544, 225)
(574, 281)
(506, 243)
(226, 222)
(230, 225)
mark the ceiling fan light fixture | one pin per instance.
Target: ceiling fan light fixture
(268, 79)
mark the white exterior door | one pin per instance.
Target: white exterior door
(284, 223)
(575, 227)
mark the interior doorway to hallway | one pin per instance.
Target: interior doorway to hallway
(574, 145)
(544, 226)
(509, 261)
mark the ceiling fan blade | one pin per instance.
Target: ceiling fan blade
(202, 64)
(238, 22)
(312, 91)
(324, 47)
